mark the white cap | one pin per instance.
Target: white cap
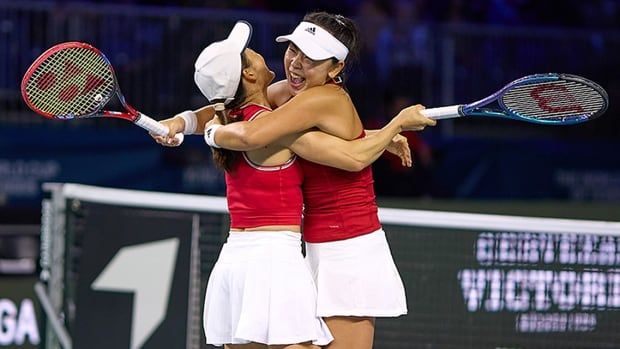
(316, 42)
(218, 67)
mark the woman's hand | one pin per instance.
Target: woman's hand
(175, 125)
(410, 119)
(400, 147)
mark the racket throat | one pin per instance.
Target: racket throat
(117, 114)
(484, 112)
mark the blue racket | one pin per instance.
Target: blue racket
(552, 99)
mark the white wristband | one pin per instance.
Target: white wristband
(210, 135)
(190, 122)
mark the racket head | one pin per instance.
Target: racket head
(554, 99)
(69, 80)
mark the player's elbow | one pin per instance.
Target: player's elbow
(356, 165)
(245, 143)
(251, 143)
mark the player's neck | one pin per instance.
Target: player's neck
(257, 97)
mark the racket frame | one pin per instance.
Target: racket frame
(131, 113)
(480, 107)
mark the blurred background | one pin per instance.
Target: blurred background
(437, 53)
(414, 51)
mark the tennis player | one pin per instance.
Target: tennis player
(260, 293)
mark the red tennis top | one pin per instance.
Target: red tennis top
(337, 204)
(263, 195)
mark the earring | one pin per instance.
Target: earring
(338, 79)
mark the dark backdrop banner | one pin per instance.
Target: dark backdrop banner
(121, 157)
(126, 157)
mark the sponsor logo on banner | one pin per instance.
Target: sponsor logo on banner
(18, 323)
(553, 282)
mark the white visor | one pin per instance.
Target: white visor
(218, 67)
(315, 42)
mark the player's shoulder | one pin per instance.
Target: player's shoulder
(328, 93)
(278, 93)
(331, 89)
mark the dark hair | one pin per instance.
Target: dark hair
(225, 158)
(343, 29)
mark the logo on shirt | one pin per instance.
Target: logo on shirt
(311, 30)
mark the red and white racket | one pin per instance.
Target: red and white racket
(74, 80)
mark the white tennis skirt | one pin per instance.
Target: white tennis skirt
(261, 290)
(357, 277)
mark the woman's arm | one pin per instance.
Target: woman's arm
(176, 124)
(277, 93)
(328, 150)
(398, 146)
(325, 149)
(318, 107)
(203, 115)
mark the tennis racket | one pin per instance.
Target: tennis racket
(552, 99)
(74, 80)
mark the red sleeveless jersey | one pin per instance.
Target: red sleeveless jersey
(337, 204)
(263, 195)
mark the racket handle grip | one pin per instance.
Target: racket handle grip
(156, 127)
(452, 111)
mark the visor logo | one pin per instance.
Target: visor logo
(311, 30)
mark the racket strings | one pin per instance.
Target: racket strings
(71, 82)
(558, 100)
